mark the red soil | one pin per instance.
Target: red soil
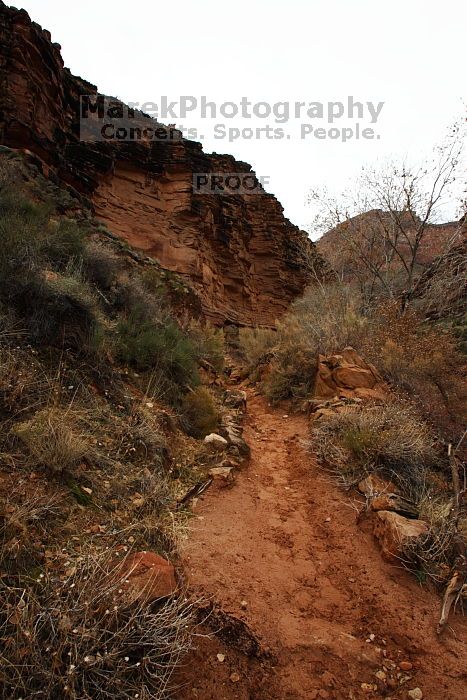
(286, 540)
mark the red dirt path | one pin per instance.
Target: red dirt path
(315, 589)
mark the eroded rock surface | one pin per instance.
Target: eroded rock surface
(347, 375)
(394, 531)
(147, 576)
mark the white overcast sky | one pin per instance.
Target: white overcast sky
(409, 54)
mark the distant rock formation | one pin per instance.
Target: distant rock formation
(336, 245)
(238, 251)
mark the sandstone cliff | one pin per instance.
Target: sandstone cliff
(239, 252)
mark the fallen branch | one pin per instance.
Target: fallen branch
(459, 577)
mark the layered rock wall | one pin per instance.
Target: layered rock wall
(246, 261)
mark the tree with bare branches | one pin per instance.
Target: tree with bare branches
(385, 232)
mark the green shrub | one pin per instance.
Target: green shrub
(155, 284)
(60, 310)
(147, 345)
(359, 441)
(200, 415)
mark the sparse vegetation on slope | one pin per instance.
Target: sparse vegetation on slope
(97, 372)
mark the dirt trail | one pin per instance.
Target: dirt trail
(285, 540)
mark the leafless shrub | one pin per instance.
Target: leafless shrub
(443, 287)
(76, 637)
(431, 555)
(326, 319)
(381, 227)
(208, 343)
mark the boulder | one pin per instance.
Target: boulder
(393, 532)
(353, 377)
(376, 393)
(395, 503)
(236, 399)
(226, 474)
(347, 375)
(216, 442)
(374, 485)
(324, 387)
(147, 576)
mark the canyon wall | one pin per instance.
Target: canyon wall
(245, 260)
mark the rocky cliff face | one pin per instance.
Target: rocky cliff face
(242, 256)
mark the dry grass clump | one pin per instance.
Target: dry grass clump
(390, 438)
(139, 438)
(433, 554)
(53, 441)
(23, 382)
(75, 636)
(24, 519)
(100, 265)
